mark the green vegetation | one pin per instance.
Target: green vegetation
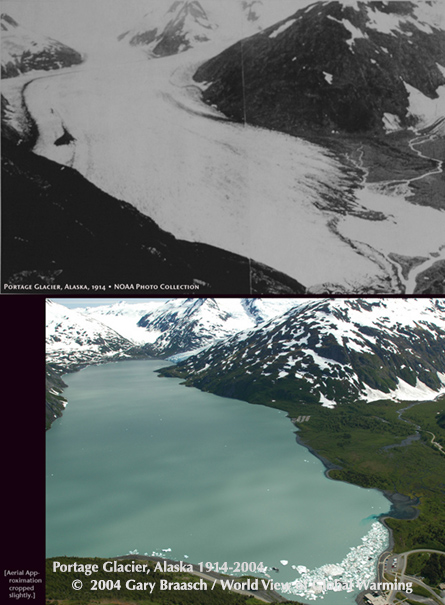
(430, 416)
(355, 438)
(415, 563)
(366, 444)
(429, 566)
(423, 592)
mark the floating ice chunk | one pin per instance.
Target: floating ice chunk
(358, 566)
(302, 569)
(331, 569)
(284, 562)
(166, 550)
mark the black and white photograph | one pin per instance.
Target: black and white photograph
(237, 147)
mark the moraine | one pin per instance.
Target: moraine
(139, 462)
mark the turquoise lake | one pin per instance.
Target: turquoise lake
(139, 462)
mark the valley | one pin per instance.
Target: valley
(361, 234)
(361, 382)
(330, 184)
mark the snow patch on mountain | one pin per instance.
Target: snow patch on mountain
(282, 28)
(330, 352)
(356, 33)
(426, 110)
(391, 122)
(74, 340)
(124, 316)
(187, 326)
(181, 27)
(23, 51)
(327, 403)
(206, 20)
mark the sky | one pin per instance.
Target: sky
(82, 24)
(89, 24)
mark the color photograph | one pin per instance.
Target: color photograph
(245, 450)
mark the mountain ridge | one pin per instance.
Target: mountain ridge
(329, 352)
(353, 66)
(76, 338)
(23, 50)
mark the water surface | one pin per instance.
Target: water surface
(142, 462)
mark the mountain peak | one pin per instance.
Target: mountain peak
(251, 8)
(164, 33)
(348, 65)
(24, 51)
(7, 22)
(330, 352)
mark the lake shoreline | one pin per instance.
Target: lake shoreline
(399, 502)
(402, 507)
(321, 478)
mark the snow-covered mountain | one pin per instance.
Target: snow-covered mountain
(154, 327)
(170, 29)
(182, 326)
(74, 340)
(123, 317)
(121, 331)
(330, 352)
(55, 401)
(269, 351)
(349, 65)
(23, 50)
(167, 32)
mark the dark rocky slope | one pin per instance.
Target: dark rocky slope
(330, 66)
(328, 352)
(23, 51)
(54, 400)
(58, 228)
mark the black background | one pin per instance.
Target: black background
(23, 443)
